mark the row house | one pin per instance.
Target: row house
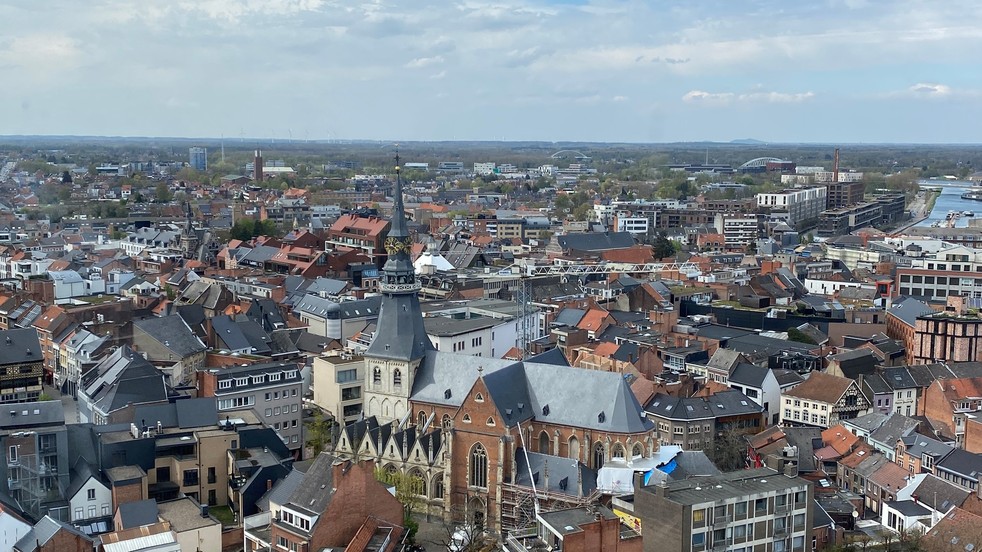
(822, 400)
(53, 327)
(952, 404)
(109, 390)
(335, 504)
(170, 344)
(77, 354)
(21, 366)
(365, 234)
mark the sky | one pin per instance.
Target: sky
(835, 71)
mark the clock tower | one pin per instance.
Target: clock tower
(400, 341)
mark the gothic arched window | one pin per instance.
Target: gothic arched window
(598, 456)
(478, 475)
(397, 377)
(376, 375)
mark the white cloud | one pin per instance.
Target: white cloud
(40, 53)
(930, 89)
(717, 98)
(421, 62)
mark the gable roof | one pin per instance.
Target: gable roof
(43, 531)
(173, 333)
(318, 486)
(576, 397)
(821, 387)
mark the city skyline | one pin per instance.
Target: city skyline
(847, 71)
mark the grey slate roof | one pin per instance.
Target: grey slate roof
(284, 488)
(42, 532)
(173, 333)
(918, 445)
(907, 309)
(868, 422)
(400, 334)
(317, 488)
(565, 475)
(893, 429)
(569, 316)
(123, 378)
(748, 374)
(32, 414)
(576, 397)
(554, 357)
(693, 463)
(908, 508)
(19, 345)
(947, 495)
(228, 331)
(138, 513)
(962, 462)
(724, 403)
(596, 241)
(898, 378)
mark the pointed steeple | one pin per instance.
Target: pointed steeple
(399, 333)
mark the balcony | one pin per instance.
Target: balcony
(722, 544)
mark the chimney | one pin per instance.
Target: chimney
(269, 484)
(258, 169)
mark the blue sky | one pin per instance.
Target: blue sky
(607, 70)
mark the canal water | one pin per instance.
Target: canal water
(951, 200)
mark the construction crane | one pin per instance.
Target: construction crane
(527, 271)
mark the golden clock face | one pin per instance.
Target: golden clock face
(395, 245)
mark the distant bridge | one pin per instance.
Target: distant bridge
(563, 154)
(761, 162)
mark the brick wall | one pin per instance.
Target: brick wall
(937, 407)
(128, 493)
(973, 435)
(63, 541)
(358, 495)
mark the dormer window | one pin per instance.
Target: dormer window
(225, 384)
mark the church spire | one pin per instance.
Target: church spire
(398, 228)
(399, 333)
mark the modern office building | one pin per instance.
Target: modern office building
(844, 220)
(758, 509)
(800, 207)
(198, 158)
(845, 193)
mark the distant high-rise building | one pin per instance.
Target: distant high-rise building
(198, 158)
(257, 170)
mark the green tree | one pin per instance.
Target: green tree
(318, 432)
(663, 247)
(727, 449)
(794, 334)
(163, 193)
(409, 489)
